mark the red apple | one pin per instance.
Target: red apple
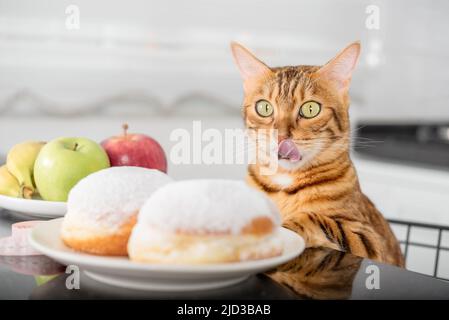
(136, 150)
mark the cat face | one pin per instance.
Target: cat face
(306, 105)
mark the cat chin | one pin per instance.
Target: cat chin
(283, 180)
(290, 165)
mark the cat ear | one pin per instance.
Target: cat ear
(339, 70)
(250, 67)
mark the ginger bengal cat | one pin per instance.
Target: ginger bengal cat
(315, 184)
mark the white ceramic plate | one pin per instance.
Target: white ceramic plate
(34, 208)
(120, 271)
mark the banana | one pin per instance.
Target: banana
(9, 186)
(20, 163)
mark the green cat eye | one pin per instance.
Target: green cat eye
(264, 108)
(310, 109)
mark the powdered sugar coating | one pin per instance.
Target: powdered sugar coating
(110, 196)
(206, 205)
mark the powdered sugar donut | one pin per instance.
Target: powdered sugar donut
(206, 221)
(102, 208)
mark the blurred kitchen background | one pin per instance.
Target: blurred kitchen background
(159, 65)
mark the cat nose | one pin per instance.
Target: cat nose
(282, 138)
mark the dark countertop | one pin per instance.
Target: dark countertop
(317, 273)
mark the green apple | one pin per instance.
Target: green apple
(41, 280)
(63, 162)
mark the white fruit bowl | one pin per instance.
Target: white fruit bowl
(34, 207)
(121, 272)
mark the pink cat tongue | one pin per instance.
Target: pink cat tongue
(287, 150)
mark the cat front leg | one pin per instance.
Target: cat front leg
(336, 233)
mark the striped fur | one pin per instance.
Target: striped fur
(324, 202)
(319, 273)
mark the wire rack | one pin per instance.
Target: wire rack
(438, 247)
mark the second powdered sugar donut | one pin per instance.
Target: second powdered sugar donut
(206, 221)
